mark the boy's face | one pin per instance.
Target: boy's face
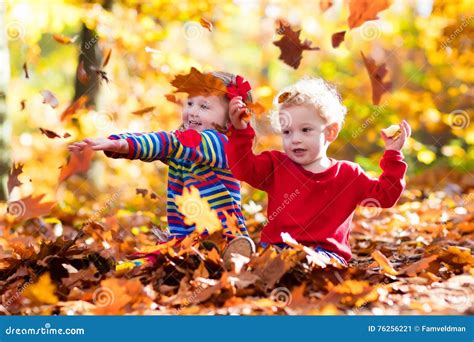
(201, 112)
(303, 131)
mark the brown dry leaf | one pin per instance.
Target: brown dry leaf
(49, 98)
(144, 110)
(421, 265)
(206, 24)
(361, 11)
(385, 264)
(81, 74)
(195, 83)
(25, 69)
(376, 74)
(22, 104)
(13, 180)
(42, 291)
(325, 4)
(64, 39)
(172, 98)
(107, 54)
(29, 207)
(78, 162)
(49, 134)
(291, 47)
(337, 38)
(74, 107)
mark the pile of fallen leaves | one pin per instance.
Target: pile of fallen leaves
(412, 259)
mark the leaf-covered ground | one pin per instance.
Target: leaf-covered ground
(412, 259)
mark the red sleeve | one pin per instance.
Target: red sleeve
(386, 190)
(257, 170)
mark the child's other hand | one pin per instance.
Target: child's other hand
(237, 110)
(100, 144)
(397, 143)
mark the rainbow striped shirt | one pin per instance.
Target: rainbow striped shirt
(194, 159)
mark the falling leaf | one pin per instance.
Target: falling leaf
(64, 39)
(74, 107)
(66, 135)
(325, 4)
(107, 54)
(255, 108)
(144, 110)
(25, 69)
(142, 192)
(361, 11)
(195, 83)
(172, 98)
(82, 74)
(29, 207)
(291, 47)
(22, 104)
(78, 162)
(385, 264)
(49, 134)
(49, 98)
(43, 291)
(337, 38)
(197, 211)
(13, 180)
(206, 24)
(376, 74)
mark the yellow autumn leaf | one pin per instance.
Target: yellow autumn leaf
(42, 291)
(197, 210)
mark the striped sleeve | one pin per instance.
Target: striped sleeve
(207, 147)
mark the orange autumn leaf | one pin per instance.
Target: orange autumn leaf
(144, 110)
(214, 256)
(13, 180)
(206, 24)
(385, 264)
(195, 83)
(197, 211)
(107, 54)
(42, 291)
(49, 98)
(64, 39)
(418, 266)
(291, 47)
(172, 98)
(325, 4)
(29, 207)
(337, 38)
(361, 11)
(81, 74)
(376, 74)
(49, 134)
(78, 162)
(74, 107)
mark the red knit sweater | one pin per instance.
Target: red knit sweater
(315, 208)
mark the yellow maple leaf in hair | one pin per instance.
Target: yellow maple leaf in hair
(197, 210)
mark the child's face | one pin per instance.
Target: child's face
(304, 134)
(202, 112)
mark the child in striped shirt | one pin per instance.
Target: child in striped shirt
(195, 156)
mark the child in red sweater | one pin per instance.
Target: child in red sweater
(311, 196)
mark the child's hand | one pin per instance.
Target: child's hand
(397, 143)
(100, 144)
(237, 110)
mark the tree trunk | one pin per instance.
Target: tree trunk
(4, 122)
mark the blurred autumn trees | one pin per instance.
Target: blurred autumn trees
(426, 50)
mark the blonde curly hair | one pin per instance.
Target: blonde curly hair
(315, 93)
